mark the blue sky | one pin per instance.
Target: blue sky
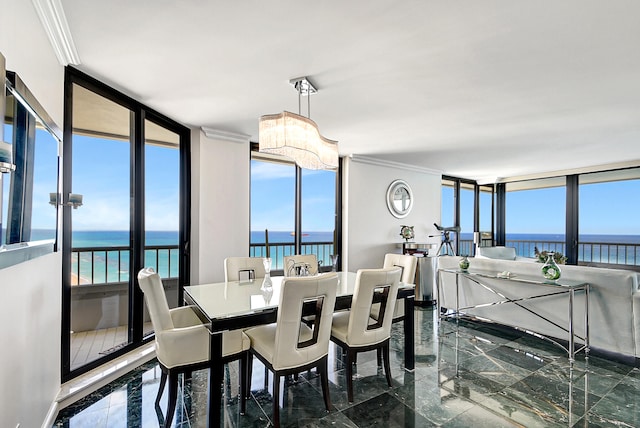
(273, 198)
(101, 174)
(608, 208)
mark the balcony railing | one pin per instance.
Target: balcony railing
(595, 253)
(110, 265)
(278, 250)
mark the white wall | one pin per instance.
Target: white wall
(219, 205)
(369, 229)
(31, 291)
(28, 52)
(30, 358)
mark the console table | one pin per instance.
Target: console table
(539, 287)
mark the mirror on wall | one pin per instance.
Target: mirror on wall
(29, 187)
(399, 198)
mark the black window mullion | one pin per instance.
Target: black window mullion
(66, 228)
(298, 211)
(571, 226)
(21, 189)
(456, 213)
(501, 209)
(337, 240)
(137, 233)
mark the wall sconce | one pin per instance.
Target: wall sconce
(74, 200)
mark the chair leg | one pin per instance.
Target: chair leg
(242, 365)
(276, 400)
(379, 356)
(350, 357)
(163, 381)
(266, 378)
(387, 366)
(173, 398)
(249, 374)
(324, 380)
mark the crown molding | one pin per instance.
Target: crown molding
(574, 171)
(55, 24)
(219, 134)
(391, 164)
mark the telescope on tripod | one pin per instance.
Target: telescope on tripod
(446, 239)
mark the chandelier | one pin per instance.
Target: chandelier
(297, 137)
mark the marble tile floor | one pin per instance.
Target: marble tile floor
(467, 375)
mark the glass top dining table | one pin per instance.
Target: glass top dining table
(241, 304)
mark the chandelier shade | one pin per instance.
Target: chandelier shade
(298, 138)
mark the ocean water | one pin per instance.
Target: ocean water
(318, 243)
(552, 237)
(616, 249)
(283, 237)
(113, 265)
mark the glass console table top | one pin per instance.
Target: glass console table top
(529, 279)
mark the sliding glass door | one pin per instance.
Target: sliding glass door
(100, 227)
(125, 205)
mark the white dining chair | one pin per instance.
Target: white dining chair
(182, 342)
(355, 331)
(289, 346)
(243, 268)
(408, 265)
(294, 265)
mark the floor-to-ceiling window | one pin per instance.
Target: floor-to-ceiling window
(293, 208)
(589, 218)
(448, 212)
(127, 169)
(273, 202)
(609, 230)
(535, 215)
(467, 218)
(318, 212)
(459, 213)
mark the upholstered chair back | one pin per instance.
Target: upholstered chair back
(292, 262)
(181, 338)
(406, 263)
(151, 286)
(291, 348)
(362, 330)
(236, 268)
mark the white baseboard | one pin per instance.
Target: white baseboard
(85, 384)
(51, 415)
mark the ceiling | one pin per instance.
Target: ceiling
(475, 89)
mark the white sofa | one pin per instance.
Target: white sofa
(614, 302)
(500, 253)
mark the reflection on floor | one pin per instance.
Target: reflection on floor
(466, 376)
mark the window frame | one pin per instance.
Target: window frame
(254, 154)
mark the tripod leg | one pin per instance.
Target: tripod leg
(450, 247)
